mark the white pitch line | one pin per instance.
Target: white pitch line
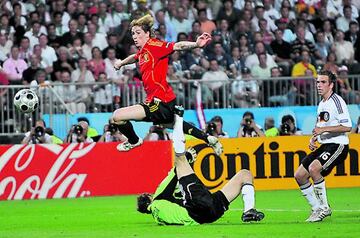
(294, 210)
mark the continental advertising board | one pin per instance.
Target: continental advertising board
(272, 161)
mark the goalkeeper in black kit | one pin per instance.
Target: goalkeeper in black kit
(181, 198)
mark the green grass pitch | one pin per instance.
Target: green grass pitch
(99, 217)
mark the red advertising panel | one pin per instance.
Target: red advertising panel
(80, 170)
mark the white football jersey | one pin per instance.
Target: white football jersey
(333, 112)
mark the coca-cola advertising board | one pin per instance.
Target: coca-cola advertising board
(81, 170)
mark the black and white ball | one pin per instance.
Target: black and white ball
(26, 101)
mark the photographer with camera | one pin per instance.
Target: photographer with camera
(218, 121)
(248, 127)
(78, 133)
(157, 132)
(288, 127)
(37, 134)
(112, 134)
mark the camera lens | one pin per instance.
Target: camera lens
(39, 131)
(78, 130)
(113, 128)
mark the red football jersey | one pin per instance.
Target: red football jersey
(153, 64)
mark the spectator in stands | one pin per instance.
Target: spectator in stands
(215, 79)
(83, 76)
(24, 50)
(60, 27)
(32, 35)
(267, 35)
(170, 34)
(5, 27)
(245, 91)
(300, 68)
(219, 127)
(18, 17)
(97, 39)
(285, 91)
(48, 53)
(356, 129)
(253, 59)
(353, 34)
(14, 67)
(28, 74)
(68, 93)
(342, 22)
(82, 21)
(113, 42)
(54, 41)
(288, 126)
(262, 70)
(180, 22)
(195, 31)
(239, 62)
(302, 43)
(282, 51)
(37, 134)
(105, 19)
(156, 133)
(78, 133)
(344, 89)
(119, 14)
(331, 63)
(259, 14)
(242, 29)
(112, 134)
(39, 84)
(179, 85)
(206, 25)
(322, 47)
(68, 38)
(248, 127)
(270, 129)
(328, 32)
(75, 49)
(64, 62)
(344, 50)
(229, 13)
(5, 47)
(103, 94)
(223, 59)
(96, 64)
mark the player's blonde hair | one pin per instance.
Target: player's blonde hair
(146, 23)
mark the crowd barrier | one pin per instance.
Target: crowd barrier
(81, 170)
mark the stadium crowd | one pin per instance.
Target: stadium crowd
(69, 41)
(63, 41)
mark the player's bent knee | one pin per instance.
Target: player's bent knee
(314, 169)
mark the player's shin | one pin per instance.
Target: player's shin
(248, 196)
(178, 136)
(128, 130)
(307, 191)
(320, 192)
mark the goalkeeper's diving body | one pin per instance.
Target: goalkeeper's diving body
(195, 205)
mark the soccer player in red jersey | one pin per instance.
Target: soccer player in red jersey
(160, 100)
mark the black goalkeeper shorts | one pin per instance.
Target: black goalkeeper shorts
(159, 112)
(329, 155)
(202, 206)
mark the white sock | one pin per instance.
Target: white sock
(178, 136)
(320, 192)
(307, 191)
(248, 195)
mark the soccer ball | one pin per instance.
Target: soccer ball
(26, 101)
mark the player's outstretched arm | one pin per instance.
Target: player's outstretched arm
(201, 41)
(128, 60)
